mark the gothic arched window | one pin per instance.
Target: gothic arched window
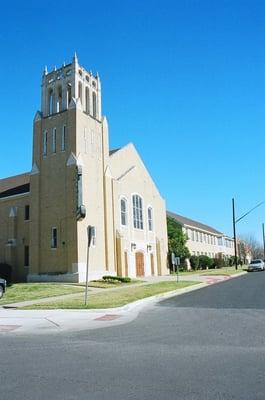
(94, 98)
(50, 102)
(124, 212)
(87, 100)
(150, 218)
(59, 104)
(138, 212)
(80, 91)
(69, 93)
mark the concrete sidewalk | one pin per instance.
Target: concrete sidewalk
(58, 321)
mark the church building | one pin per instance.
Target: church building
(77, 182)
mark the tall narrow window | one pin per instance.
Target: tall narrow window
(45, 138)
(54, 238)
(80, 91)
(59, 99)
(50, 103)
(150, 218)
(26, 216)
(94, 99)
(137, 212)
(54, 140)
(26, 256)
(124, 212)
(63, 138)
(69, 93)
(87, 100)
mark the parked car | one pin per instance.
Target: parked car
(256, 265)
(2, 287)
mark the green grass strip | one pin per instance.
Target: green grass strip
(114, 298)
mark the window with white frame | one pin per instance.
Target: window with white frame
(138, 212)
(150, 218)
(54, 140)
(45, 140)
(63, 138)
(54, 238)
(124, 212)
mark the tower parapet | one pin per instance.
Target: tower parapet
(69, 85)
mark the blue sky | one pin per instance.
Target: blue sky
(183, 80)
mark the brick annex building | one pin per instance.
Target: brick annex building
(76, 181)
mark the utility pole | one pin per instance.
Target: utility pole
(234, 229)
(263, 235)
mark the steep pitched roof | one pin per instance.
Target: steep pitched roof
(190, 222)
(16, 190)
(113, 151)
(14, 181)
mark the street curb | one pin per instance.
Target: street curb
(138, 303)
(158, 297)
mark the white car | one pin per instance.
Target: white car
(256, 265)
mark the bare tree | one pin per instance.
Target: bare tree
(248, 243)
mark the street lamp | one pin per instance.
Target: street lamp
(263, 237)
(236, 220)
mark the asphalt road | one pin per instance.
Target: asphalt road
(207, 344)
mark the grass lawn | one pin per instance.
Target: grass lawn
(222, 271)
(217, 271)
(114, 298)
(31, 291)
(108, 285)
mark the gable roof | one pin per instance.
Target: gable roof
(16, 190)
(190, 222)
(113, 151)
(14, 181)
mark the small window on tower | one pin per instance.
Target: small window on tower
(63, 138)
(50, 105)
(87, 100)
(26, 213)
(80, 91)
(45, 137)
(94, 98)
(54, 238)
(54, 140)
(26, 256)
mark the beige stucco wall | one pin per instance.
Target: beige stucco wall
(53, 192)
(131, 177)
(202, 245)
(14, 234)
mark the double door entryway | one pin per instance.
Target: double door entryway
(139, 264)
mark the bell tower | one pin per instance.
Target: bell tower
(70, 82)
(68, 184)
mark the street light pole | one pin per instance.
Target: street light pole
(234, 229)
(236, 220)
(263, 236)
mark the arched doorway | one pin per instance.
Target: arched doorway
(139, 264)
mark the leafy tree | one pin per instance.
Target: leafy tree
(176, 240)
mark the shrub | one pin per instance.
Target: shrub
(6, 272)
(194, 262)
(122, 279)
(219, 263)
(205, 262)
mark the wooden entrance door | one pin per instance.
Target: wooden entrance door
(139, 262)
(152, 264)
(126, 263)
